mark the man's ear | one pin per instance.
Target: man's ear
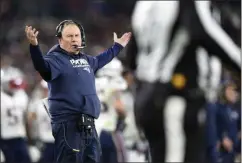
(59, 40)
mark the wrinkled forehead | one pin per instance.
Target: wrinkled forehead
(71, 28)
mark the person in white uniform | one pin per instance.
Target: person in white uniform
(109, 83)
(40, 115)
(14, 101)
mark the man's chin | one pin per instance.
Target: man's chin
(74, 51)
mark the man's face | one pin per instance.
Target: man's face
(231, 94)
(71, 36)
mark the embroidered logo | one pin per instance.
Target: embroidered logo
(87, 69)
(79, 63)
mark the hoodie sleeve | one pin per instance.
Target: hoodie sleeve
(104, 58)
(48, 66)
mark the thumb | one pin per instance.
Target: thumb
(115, 37)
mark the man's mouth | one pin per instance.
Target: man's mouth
(76, 47)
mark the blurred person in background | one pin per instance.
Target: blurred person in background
(118, 134)
(109, 83)
(8, 68)
(39, 92)
(39, 114)
(135, 144)
(223, 125)
(169, 98)
(14, 101)
(73, 102)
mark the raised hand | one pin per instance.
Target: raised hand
(124, 40)
(31, 34)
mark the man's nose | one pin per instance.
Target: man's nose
(74, 40)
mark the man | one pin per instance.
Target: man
(73, 102)
(169, 99)
(14, 101)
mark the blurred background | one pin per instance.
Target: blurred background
(100, 18)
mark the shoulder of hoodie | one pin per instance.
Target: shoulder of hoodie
(52, 52)
(54, 55)
(89, 57)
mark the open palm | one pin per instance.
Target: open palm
(124, 40)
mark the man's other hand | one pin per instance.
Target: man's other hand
(124, 40)
(31, 34)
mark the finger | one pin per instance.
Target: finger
(115, 36)
(26, 28)
(126, 35)
(36, 33)
(29, 29)
(34, 30)
(28, 33)
(129, 34)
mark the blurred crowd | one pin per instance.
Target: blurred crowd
(99, 21)
(115, 84)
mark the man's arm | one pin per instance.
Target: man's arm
(105, 57)
(47, 66)
(36, 54)
(39, 63)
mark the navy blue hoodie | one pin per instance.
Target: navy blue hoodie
(71, 80)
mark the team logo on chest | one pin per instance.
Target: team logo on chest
(87, 69)
(79, 63)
